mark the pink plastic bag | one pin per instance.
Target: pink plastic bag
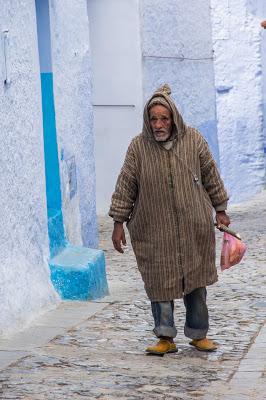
(233, 251)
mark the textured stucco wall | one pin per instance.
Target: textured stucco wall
(261, 12)
(25, 289)
(74, 116)
(177, 48)
(238, 79)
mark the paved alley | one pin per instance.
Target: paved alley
(102, 357)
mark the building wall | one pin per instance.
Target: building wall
(25, 290)
(177, 49)
(175, 42)
(261, 15)
(117, 90)
(238, 80)
(74, 118)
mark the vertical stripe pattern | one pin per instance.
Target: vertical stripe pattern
(167, 199)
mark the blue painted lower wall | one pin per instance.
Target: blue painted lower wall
(53, 192)
(56, 232)
(77, 273)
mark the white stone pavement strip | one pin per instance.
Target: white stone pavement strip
(103, 357)
(249, 381)
(44, 329)
(252, 369)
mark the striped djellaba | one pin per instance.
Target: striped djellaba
(167, 198)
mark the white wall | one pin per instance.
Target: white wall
(177, 49)
(238, 80)
(74, 117)
(25, 289)
(261, 13)
(117, 91)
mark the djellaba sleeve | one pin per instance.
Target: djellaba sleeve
(210, 176)
(126, 188)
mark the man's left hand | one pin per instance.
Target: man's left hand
(222, 219)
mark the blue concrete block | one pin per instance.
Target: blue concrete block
(78, 273)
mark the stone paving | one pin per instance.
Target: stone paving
(103, 357)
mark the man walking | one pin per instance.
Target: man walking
(166, 192)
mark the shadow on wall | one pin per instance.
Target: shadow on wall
(208, 130)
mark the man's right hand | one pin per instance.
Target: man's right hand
(118, 237)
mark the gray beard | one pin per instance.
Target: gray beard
(171, 137)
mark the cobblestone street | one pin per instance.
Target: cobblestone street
(104, 357)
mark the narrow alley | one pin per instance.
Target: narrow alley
(103, 356)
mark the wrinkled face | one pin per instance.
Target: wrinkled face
(161, 122)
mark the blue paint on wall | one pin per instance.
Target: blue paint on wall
(76, 272)
(50, 143)
(53, 193)
(53, 188)
(56, 231)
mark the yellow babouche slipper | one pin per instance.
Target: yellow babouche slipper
(162, 347)
(204, 344)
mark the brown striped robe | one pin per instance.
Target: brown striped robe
(167, 198)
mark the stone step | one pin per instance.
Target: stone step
(78, 273)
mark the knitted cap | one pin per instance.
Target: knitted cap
(160, 97)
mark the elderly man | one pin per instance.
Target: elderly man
(166, 192)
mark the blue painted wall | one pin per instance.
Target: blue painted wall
(263, 56)
(53, 190)
(178, 51)
(77, 273)
(53, 193)
(239, 65)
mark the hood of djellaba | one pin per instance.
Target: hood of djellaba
(162, 97)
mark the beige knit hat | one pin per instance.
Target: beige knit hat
(158, 99)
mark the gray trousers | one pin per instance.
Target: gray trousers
(197, 317)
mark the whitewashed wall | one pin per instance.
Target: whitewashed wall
(261, 14)
(177, 49)
(25, 289)
(238, 80)
(74, 117)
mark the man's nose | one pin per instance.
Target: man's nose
(158, 124)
